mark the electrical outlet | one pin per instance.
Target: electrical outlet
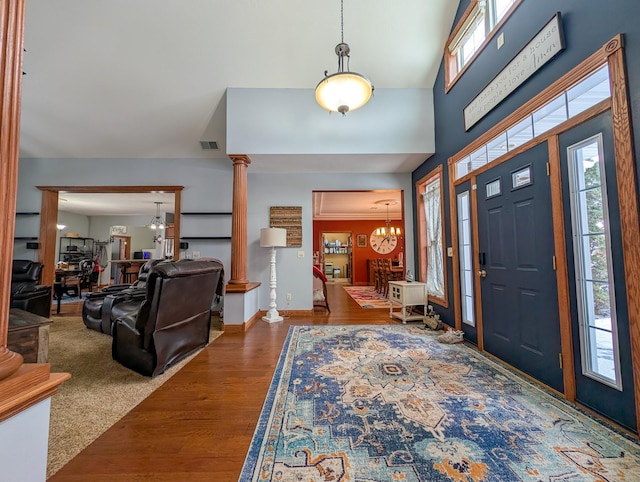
(300, 254)
(288, 296)
(196, 254)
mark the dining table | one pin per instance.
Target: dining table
(58, 284)
(129, 269)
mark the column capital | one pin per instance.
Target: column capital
(240, 159)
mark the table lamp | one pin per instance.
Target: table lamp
(272, 238)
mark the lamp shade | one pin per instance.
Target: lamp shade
(270, 237)
(343, 92)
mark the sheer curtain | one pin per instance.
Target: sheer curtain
(433, 222)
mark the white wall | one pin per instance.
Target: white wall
(294, 274)
(24, 442)
(208, 186)
(397, 121)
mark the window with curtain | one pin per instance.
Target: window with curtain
(431, 199)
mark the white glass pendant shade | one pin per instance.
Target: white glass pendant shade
(343, 92)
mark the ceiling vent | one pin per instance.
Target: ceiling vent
(209, 145)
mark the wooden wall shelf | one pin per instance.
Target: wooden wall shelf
(204, 237)
(206, 214)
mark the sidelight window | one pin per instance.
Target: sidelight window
(466, 263)
(593, 270)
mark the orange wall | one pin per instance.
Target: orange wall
(360, 255)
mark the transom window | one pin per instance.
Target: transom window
(473, 32)
(586, 93)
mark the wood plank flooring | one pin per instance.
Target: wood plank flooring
(198, 425)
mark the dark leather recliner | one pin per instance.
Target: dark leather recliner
(26, 292)
(173, 320)
(98, 307)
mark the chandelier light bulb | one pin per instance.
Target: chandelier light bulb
(157, 222)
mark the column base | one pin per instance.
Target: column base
(272, 316)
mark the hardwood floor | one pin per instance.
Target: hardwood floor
(198, 425)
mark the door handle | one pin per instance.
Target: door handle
(482, 273)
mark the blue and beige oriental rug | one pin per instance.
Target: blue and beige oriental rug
(390, 403)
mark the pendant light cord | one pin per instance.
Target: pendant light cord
(342, 21)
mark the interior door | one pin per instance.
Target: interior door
(597, 292)
(516, 266)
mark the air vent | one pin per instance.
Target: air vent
(209, 145)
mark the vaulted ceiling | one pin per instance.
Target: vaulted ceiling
(144, 78)
(147, 78)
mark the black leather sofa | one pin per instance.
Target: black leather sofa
(100, 308)
(26, 292)
(173, 320)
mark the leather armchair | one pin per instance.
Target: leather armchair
(173, 320)
(26, 292)
(97, 309)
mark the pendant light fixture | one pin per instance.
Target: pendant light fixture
(387, 229)
(343, 91)
(157, 222)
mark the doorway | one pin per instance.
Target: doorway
(49, 215)
(524, 220)
(120, 249)
(360, 214)
(337, 250)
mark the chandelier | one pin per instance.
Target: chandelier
(387, 229)
(157, 222)
(343, 91)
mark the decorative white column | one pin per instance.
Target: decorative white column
(272, 238)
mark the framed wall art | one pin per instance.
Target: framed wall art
(361, 240)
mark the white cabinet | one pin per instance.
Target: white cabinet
(406, 295)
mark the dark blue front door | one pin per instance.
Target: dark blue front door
(516, 266)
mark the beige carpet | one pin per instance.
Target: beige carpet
(100, 391)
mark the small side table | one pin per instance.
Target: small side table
(407, 294)
(28, 335)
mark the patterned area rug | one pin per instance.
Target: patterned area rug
(367, 296)
(390, 403)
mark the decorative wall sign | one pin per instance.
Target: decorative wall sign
(118, 230)
(540, 50)
(289, 218)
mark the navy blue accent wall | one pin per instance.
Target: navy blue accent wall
(587, 25)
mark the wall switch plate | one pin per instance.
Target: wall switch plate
(288, 296)
(500, 41)
(196, 254)
(450, 252)
(300, 254)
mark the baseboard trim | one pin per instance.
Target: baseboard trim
(244, 327)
